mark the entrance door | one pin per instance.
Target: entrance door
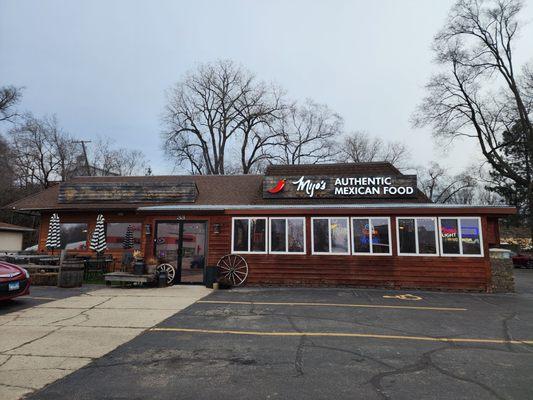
(182, 244)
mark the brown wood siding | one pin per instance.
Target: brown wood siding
(456, 273)
(493, 232)
(446, 273)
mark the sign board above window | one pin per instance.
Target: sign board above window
(127, 192)
(341, 187)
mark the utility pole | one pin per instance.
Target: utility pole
(88, 167)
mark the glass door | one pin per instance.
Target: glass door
(183, 245)
(193, 252)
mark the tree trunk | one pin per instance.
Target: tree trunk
(530, 210)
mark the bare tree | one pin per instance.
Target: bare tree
(441, 187)
(360, 147)
(480, 94)
(7, 174)
(9, 97)
(106, 159)
(218, 108)
(35, 143)
(307, 134)
(260, 110)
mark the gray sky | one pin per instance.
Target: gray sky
(103, 66)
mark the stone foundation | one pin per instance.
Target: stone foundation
(502, 280)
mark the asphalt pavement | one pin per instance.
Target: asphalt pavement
(311, 343)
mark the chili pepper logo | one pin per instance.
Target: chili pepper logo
(278, 188)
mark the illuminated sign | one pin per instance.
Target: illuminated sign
(339, 187)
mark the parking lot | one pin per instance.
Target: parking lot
(295, 343)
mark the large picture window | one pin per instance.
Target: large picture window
(371, 235)
(73, 236)
(417, 236)
(123, 235)
(330, 235)
(287, 235)
(249, 235)
(461, 236)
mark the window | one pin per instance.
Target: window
(249, 235)
(330, 235)
(287, 235)
(73, 236)
(461, 236)
(371, 235)
(123, 235)
(417, 236)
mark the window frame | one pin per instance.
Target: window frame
(438, 244)
(321, 253)
(127, 223)
(88, 235)
(286, 236)
(460, 236)
(249, 236)
(371, 252)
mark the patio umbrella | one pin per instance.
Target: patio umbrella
(53, 241)
(128, 238)
(98, 240)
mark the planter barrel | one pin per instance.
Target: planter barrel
(71, 273)
(211, 275)
(138, 268)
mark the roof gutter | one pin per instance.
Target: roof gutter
(398, 206)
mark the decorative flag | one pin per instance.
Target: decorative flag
(53, 241)
(98, 239)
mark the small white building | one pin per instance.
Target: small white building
(11, 236)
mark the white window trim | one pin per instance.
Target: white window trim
(249, 236)
(418, 254)
(371, 252)
(459, 234)
(322, 253)
(286, 236)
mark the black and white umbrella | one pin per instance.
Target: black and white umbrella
(128, 238)
(53, 241)
(98, 240)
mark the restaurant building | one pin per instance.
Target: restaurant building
(357, 224)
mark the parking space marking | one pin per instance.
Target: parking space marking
(265, 303)
(341, 334)
(407, 296)
(40, 298)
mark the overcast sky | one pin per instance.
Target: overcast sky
(103, 66)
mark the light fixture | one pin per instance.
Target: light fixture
(216, 228)
(148, 229)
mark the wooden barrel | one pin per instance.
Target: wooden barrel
(71, 273)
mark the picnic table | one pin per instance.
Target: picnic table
(32, 258)
(34, 268)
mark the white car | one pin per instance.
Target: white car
(501, 253)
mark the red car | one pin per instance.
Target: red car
(523, 261)
(14, 281)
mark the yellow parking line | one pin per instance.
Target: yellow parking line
(263, 303)
(350, 335)
(39, 298)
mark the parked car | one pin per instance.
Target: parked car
(501, 253)
(14, 281)
(523, 261)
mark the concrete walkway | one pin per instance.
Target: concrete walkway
(41, 344)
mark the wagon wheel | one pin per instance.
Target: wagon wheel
(169, 269)
(233, 269)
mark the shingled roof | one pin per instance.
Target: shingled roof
(337, 169)
(217, 189)
(4, 226)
